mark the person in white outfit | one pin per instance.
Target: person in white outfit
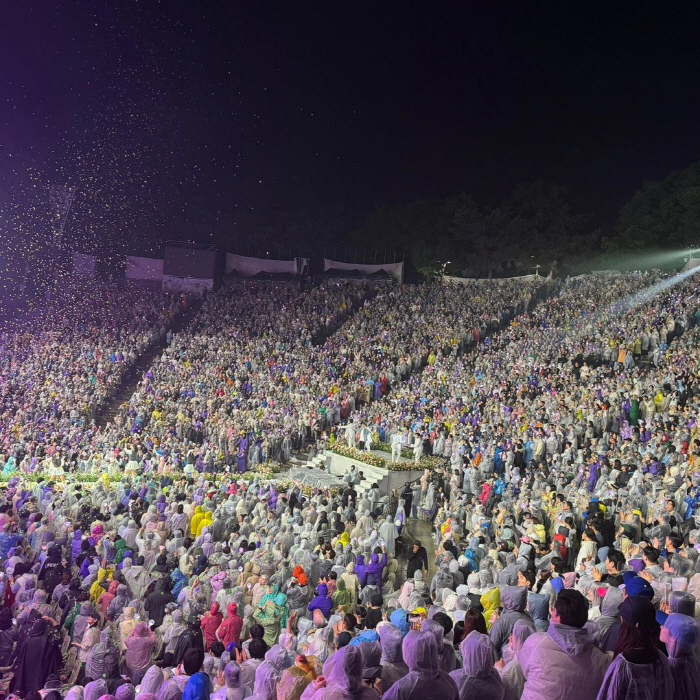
(350, 434)
(417, 448)
(396, 444)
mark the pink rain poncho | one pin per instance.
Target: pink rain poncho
(269, 673)
(266, 680)
(478, 679)
(424, 680)
(343, 674)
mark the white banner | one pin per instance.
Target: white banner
(393, 269)
(143, 268)
(188, 285)
(84, 265)
(449, 279)
(252, 266)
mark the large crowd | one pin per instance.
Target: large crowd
(155, 559)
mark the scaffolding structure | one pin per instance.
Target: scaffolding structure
(61, 199)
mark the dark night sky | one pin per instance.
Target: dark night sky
(261, 106)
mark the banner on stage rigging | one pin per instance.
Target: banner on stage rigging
(144, 268)
(248, 267)
(393, 269)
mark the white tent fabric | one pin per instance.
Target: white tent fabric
(143, 268)
(393, 269)
(691, 264)
(252, 266)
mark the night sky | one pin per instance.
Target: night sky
(171, 117)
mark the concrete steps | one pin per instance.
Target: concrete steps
(143, 364)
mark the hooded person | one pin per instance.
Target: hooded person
(271, 615)
(640, 670)
(490, 602)
(393, 666)
(322, 601)
(371, 653)
(447, 657)
(419, 583)
(424, 679)
(99, 586)
(538, 607)
(191, 638)
(157, 600)
(8, 637)
(399, 619)
(120, 601)
(680, 634)
(230, 628)
(564, 659)
(443, 579)
(137, 578)
(342, 598)
(508, 576)
(108, 596)
(95, 690)
(606, 629)
(127, 625)
(82, 621)
(38, 656)
(233, 688)
(125, 691)
(198, 687)
(342, 675)
(139, 649)
(352, 581)
(514, 602)
(266, 679)
(210, 623)
(103, 659)
(170, 690)
(512, 674)
(477, 679)
(152, 681)
(276, 660)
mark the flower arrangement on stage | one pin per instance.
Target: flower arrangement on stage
(406, 452)
(426, 462)
(42, 476)
(345, 450)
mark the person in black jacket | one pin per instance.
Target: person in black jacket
(156, 601)
(52, 570)
(418, 559)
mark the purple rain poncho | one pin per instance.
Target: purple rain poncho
(424, 680)
(478, 679)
